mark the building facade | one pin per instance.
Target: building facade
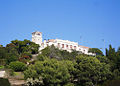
(58, 43)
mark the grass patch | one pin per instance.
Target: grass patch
(19, 75)
(1, 67)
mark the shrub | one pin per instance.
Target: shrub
(1, 67)
(69, 84)
(53, 72)
(34, 82)
(17, 66)
(11, 58)
(4, 82)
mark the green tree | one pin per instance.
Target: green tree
(112, 55)
(53, 52)
(96, 51)
(90, 71)
(3, 53)
(53, 72)
(17, 66)
(25, 46)
(31, 72)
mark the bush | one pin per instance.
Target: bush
(11, 58)
(1, 67)
(34, 82)
(53, 72)
(17, 66)
(69, 84)
(4, 82)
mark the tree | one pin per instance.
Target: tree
(17, 66)
(53, 52)
(3, 53)
(90, 71)
(11, 57)
(53, 72)
(96, 51)
(25, 46)
(111, 54)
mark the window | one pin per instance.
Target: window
(66, 46)
(74, 47)
(71, 46)
(62, 45)
(58, 44)
(38, 34)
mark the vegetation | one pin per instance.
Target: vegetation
(96, 51)
(53, 72)
(17, 66)
(54, 67)
(4, 82)
(90, 71)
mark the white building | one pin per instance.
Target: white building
(61, 44)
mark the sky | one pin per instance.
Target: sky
(87, 22)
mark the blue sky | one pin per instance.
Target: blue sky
(83, 21)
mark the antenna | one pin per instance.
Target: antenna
(104, 44)
(80, 39)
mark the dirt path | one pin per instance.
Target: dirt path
(15, 82)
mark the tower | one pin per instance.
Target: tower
(37, 37)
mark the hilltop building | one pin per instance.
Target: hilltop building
(58, 43)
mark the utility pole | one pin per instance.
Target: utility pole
(104, 45)
(80, 40)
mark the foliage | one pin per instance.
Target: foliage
(91, 71)
(112, 83)
(18, 50)
(53, 52)
(25, 46)
(69, 84)
(2, 61)
(17, 66)
(25, 57)
(53, 72)
(103, 59)
(11, 58)
(111, 54)
(40, 57)
(96, 51)
(114, 58)
(30, 72)
(34, 82)
(4, 82)
(3, 53)
(1, 67)
(59, 67)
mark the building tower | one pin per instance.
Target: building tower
(37, 37)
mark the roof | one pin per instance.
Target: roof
(83, 46)
(37, 32)
(51, 40)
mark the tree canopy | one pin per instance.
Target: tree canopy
(96, 51)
